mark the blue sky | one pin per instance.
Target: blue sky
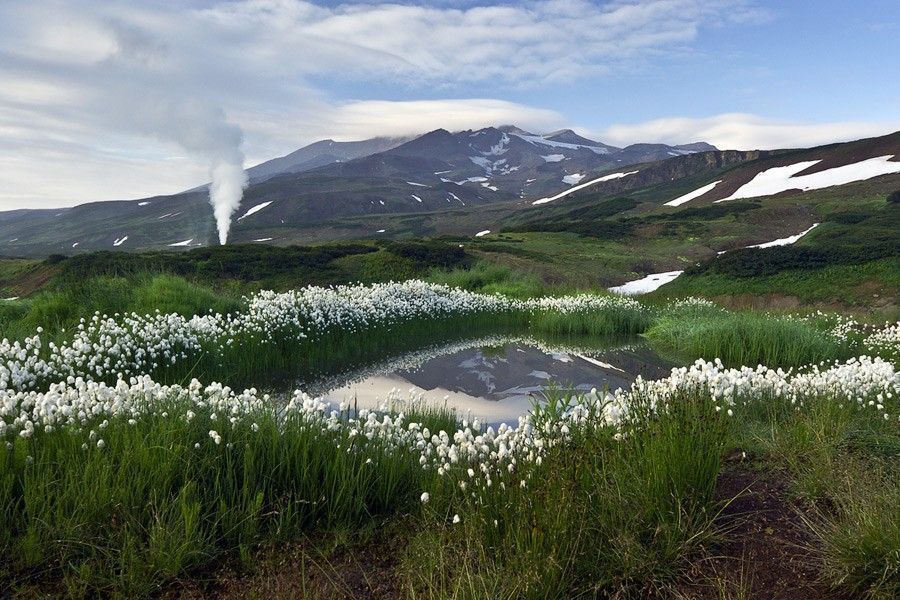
(102, 100)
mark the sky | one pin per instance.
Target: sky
(108, 100)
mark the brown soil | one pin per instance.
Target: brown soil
(766, 552)
(365, 571)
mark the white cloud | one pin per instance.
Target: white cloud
(373, 117)
(742, 131)
(83, 82)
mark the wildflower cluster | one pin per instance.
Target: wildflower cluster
(103, 347)
(477, 457)
(885, 341)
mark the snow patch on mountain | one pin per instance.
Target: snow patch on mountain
(552, 158)
(780, 179)
(647, 284)
(120, 241)
(574, 189)
(573, 178)
(416, 198)
(691, 195)
(183, 243)
(785, 241)
(538, 140)
(255, 209)
(483, 233)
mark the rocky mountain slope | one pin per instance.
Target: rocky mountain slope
(445, 183)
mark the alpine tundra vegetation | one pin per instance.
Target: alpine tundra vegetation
(450, 300)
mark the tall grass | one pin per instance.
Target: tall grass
(842, 465)
(64, 306)
(745, 338)
(161, 497)
(489, 278)
(618, 320)
(599, 516)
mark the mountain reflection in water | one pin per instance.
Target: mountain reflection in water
(493, 379)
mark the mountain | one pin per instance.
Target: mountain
(441, 183)
(319, 154)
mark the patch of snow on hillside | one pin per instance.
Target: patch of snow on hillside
(571, 190)
(780, 179)
(483, 233)
(482, 162)
(536, 139)
(646, 284)
(554, 157)
(417, 184)
(75, 244)
(380, 231)
(473, 180)
(500, 148)
(121, 241)
(416, 198)
(143, 203)
(263, 240)
(784, 241)
(255, 209)
(691, 195)
(455, 197)
(573, 178)
(182, 243)
(487, 185)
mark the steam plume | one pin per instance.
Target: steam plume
(139, 94)
(225, 191)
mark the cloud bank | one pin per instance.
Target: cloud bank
(740, 131)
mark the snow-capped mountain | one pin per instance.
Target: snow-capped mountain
(440, 183)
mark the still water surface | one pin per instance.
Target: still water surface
(493, 379)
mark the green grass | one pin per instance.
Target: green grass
(872, 284)
(153, 505)
(745, 338)
(601, 515)
(844, 469)
(488, 278)
(597, 517)
(63, 306)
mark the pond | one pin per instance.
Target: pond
(493, 379)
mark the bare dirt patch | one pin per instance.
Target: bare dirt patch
(307, 569)
(766, 552)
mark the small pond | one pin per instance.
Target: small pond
(494, 379)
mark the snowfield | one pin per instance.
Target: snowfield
(536, 139)
(785, 241)
(483, 233)
(573, 178)
(691, 195)
(184, 243)
(255, 209)
(646, 285)
(780, 179)
(582, 186)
